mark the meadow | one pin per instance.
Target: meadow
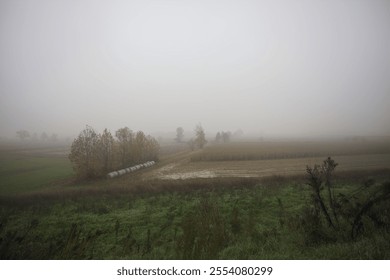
(140, 216)
(29, 169)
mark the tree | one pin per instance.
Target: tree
(83, 153)
(179, 135)
(226, 136)
(105, 151)
(218, 137)
(93, 155)
(223, 136)
(200, 139)
(152, 149)
(139, 147)
(191, 144)
(125, 140)
(22, 134)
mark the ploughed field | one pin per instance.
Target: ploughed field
(262, 159)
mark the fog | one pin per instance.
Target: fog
(271, 68)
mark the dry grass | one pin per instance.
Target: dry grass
(288, 150)
(271, 167)
(120, 188)
(139, 187)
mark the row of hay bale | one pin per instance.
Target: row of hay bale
(130, 169)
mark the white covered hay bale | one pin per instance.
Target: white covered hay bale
(112, 174)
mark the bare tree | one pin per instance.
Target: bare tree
(106, 151)
(218, 137)
(125, 141)
(179, 135)
(200, 139)
(93, 155)
(22, 134)
(223, 136)
(226, 136)
(83, 153)
(152, 148)
(139, 147)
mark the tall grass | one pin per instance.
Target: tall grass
(194, 219)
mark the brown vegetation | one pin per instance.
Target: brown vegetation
(93, 155)
(285, 150)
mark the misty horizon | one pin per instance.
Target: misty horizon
(270, 68)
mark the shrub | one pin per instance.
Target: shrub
(347, 216)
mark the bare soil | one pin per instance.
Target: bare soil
(183, 168)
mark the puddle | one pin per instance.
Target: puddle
(189, 175)
(166, 168)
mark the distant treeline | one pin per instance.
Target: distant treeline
(94, 155)
(26, 137)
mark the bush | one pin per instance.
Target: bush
(347, 216)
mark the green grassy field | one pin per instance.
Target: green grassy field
(46, 215)
(196, 219)
(31, 170)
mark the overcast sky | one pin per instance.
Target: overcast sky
(290, 68)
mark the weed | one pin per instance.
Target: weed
(357, 211)
(204, 232)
